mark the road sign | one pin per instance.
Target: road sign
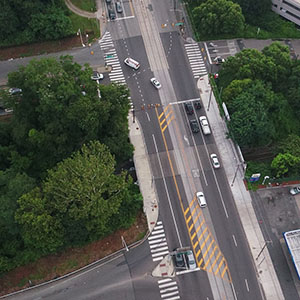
(178, 24)
(109, 56)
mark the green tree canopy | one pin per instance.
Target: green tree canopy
(52, 118)
(217, 17)
(286, 164)
(249, 125)
(254, 9)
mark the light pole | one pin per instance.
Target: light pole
(124, 243)
(262, 249)
(237, 167)
(79, 33)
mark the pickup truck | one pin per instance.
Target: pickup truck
(204, 125)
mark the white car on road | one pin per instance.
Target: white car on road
(215, 161)
(155, 83)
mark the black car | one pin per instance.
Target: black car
(179, 260)
(189, 108)
(194, 126)
(112, 14)
(197, 104)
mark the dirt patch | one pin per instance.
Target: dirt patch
(40, 48)
(56, 265)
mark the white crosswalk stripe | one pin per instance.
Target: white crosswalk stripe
(158, 243)
(111, 59)
(195, 59)
(168, 289)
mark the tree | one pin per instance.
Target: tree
(249, 125)
(83, 191)
(39, 229)
(285, 163)
(254, 9)
(248, 64)
(215, 17)
(52, 118)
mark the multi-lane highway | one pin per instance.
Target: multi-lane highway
(180, 160)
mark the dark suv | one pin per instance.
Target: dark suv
(197, 104)
(112, 14)
(189, 108)
(194, 126)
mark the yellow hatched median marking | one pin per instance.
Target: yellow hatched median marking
(210, 269)
(162, 122)
(164, 111)
(200, 237)
(188, 219)
(195, 245)
(211, 255)
(194, 222)
(198, 228)
(205, 253)
(220, 265)
(171, 119)
(225, 269)
(193, 211)
(190, 205)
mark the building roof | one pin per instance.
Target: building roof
(292, 239)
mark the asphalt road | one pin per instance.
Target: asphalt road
(125, 277)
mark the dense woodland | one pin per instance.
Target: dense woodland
(33, 20)
(58, 156)
(262, 93)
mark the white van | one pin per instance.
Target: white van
(201, 199)
(131, 63)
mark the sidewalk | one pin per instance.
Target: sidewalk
(230, 161)
(143, 170)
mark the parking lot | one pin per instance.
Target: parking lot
(277, 211)
(225, 48)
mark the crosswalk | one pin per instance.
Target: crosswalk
(158, 243)
(168, 289)
(195, 59)
(111, 59)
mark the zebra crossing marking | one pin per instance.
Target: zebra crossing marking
(195, 59)
(111, 59)
(168, 289)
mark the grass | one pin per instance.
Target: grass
(87, 5)
(89, 26)
(141, 235)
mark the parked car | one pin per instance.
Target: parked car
(155, 83)
(219, 60)
(197, 104)
(194, 126)
(108, 1)
(15, 91)
(191, 260)
(119, 8)
(97, 76)
(295, 190)
(189, 108)
(215, 161)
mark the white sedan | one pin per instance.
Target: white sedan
(155, 82)
(215, 161)
(97, 76)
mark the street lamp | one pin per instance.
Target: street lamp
(262, 249)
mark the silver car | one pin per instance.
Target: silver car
(191, 260)
(295, 190)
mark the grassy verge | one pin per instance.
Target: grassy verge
(87, 5)
(56, 265)
(89, 26)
